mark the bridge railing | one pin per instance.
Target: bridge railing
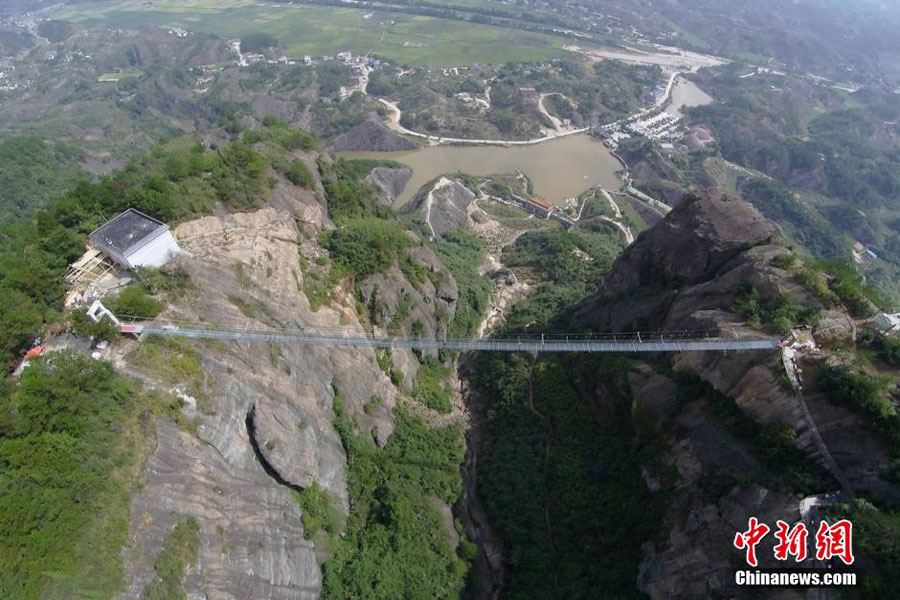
(631, 341)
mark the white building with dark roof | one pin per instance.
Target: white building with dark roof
(888, 324)
(134, 239)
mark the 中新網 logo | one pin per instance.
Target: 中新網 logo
(832, 541)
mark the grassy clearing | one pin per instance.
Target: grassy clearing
(317, 30)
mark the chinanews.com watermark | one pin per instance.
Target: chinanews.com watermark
(826, 557)
(793, 578)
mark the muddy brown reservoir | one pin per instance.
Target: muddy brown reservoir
(559, 169)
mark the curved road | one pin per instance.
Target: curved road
(395, 124)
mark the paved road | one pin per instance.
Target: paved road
(395, 122)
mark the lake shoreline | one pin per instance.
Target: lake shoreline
(560, 168)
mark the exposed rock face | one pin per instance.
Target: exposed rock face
(445, 206)
(653, 394)
(864, 460)
(245, 272)
(390, 181)
(306, 206)
(685, 274)
(252, 537)
(371, 135)
(692, 563)
(705, 232)
(424, 308)
(265, 105)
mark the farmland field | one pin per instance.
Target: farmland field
(317, 30)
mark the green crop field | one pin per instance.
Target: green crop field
(317, 30)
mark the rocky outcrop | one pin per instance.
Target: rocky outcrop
(252, 543)
(245, 271)
(686, 274)
(371, 135)
(398, 306)
(307, 206)
(445, 206)
(705, 232)
(391, 181)
(692, 563)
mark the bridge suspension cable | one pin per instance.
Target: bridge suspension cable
(681, 341)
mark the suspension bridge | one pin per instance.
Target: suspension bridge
(681, 341)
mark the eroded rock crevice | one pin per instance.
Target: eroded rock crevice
(270, 470)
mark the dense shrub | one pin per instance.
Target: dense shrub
(431, 388)
(876, 535)
(256, 42)
(84, 325)
(395, 544)
(778, 203)
(851, 288)
(319, 511)
(887, 348)
(281, 134)
(64, 506)
(462, 253)
(299, 174)
(363, 247)
(32, 173)
(556, 480)
(348, 195)
(779, 311)
(178, 553)
(859, 392)
(133, 301)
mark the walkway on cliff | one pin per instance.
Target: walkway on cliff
(685, 341)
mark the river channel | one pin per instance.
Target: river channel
(559, 169)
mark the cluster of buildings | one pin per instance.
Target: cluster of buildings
(360, 66)
(132, 239)
(475, 100)
(67, 57)
(656, 94)
(7, 84)
(662, 127)
(656, 127)
(538, 208)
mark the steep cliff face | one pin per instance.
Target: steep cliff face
(423, 307)
(686, 274)
(257, 418)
